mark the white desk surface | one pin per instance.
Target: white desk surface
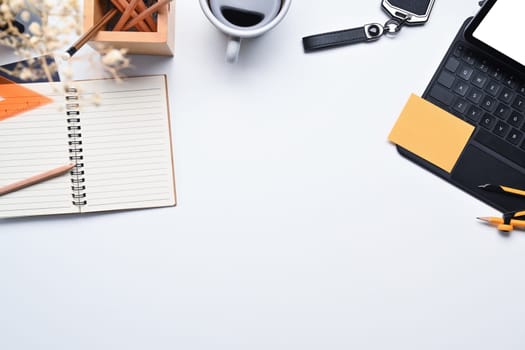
(298, 226)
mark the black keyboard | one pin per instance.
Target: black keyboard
(484, 94)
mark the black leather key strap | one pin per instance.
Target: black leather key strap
(339, 38)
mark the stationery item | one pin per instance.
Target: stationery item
(122, 5)
(242, 19)
(141, 6)
(401, 12)
(152, 35)
(503, 190)
(508, 221)
(36, 179)
(126, 15)
(16, 99)
(146, 13)
(420, 129)
(91, 32)
(489, 94)
(121, 148)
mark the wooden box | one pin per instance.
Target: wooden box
(160, 42)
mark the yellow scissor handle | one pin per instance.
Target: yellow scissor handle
(514, 190)
(520, 213)
(505, 227)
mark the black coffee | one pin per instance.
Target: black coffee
(241, 17)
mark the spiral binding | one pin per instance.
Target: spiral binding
(75, 147)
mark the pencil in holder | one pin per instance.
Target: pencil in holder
(151, 35)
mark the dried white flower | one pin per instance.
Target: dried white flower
(51, 27)
(16, 5)
(114, 58)
(34, 40)
(35, 28)
(97, 99)
(50, 4)
(26, 74)
(25, 16)
(67, 73)
(6, 11)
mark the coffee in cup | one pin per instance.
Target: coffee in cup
(241, 19)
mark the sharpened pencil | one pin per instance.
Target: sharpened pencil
(91, 32)
(36, 179)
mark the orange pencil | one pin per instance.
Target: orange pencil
(125, 16)
(141, 6)
(36, 179)
(153, 8)
(121, 5)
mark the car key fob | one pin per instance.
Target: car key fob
(401, 12)
(413, 12)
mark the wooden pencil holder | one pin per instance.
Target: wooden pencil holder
(160, 42)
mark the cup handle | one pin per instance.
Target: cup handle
(233, 49)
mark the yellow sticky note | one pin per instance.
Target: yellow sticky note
(431, 132)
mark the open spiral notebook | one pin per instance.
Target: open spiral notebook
(121, 148)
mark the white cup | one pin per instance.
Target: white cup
(241, 19)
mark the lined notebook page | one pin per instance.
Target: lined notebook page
(31, 143)
(126, 144)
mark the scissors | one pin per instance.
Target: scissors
(511, 219)
(508, 221)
